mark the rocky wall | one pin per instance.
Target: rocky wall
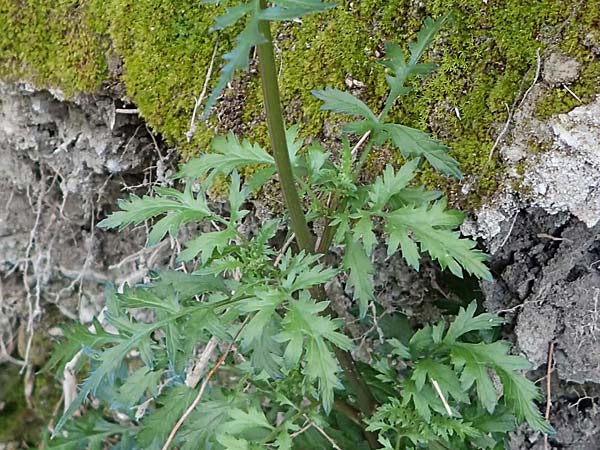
(63, 164)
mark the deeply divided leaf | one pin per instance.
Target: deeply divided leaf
(430, 227)
(293, 9)
(360, 276)
(229, 154)
(344, 103)
(400, 68)
(415, 143)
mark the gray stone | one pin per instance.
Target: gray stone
(62, 167)
(559, 68)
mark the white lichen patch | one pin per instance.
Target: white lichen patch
(568, 177)
(565, 177)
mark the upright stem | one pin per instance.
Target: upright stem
(304, 237)
(268, 74)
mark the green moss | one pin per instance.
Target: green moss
(53, 44)
(166, 49)
(484, 55)
(578, 37)
(562, 99)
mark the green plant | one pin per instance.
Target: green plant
(291, 381)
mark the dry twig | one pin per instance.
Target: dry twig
(553, 238)
(201, 364)
(535, 78)
(360, 142)
(500, 137)
(323, 433)
(286, 245)
(305, 427)
(127, 110)
(512, 225)
(548, 391)
(69, 383)
(190, 133)
(441, 395)
(203, 387)
(55, 413)
(572, 93)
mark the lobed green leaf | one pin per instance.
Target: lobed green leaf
(360, 276)
(229, 154)
(416, 143)
(391, 183)
(400, 69)
(293, 9)
(344, 103)
(430, 226)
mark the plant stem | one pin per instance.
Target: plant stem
(277, 136)
(304, 237)
(363, 159)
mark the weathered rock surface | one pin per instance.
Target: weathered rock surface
(543, 232)
(544, 241)
(62, 165)
(564, 178)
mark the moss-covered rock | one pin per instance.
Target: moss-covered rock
(166, 49)
(61, 44)
(487, 55)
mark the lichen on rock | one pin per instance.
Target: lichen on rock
(565, 177)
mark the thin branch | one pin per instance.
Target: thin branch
(323, 433)
(548, 391)
(139, 254)
(442, 397)
(306, 427)
(553, 238)
(190, 133)
(281, 253)
(140, 410)
(581, 399)
(539, 380)
(535, 78)
(512, 225)
(360, 142)
(69, 384)
(200, 366)
(5, 357)
(203, 387)
(127, 110)
(55, 411)
(572, 93)
(501, 135)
